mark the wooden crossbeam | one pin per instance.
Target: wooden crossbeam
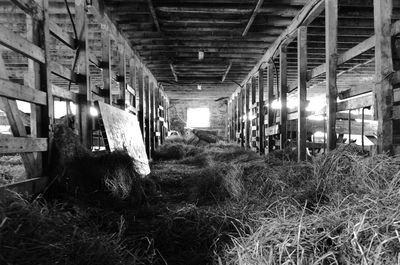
(21, 45)
(227, 71)
(252, 17)
(65, 94)
(63, 72)
(12, 145)
(63, 36)
(14, 90)
(154, 15)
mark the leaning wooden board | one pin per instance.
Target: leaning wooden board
(123, 133)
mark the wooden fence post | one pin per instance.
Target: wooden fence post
(302, 93)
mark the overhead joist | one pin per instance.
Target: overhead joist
(21, 45)
(14, 90)
(173, 72)
(154, 15)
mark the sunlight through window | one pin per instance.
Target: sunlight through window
(198, 117)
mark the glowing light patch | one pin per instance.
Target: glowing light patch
(198, 117)
(93, 111)
(276, 104)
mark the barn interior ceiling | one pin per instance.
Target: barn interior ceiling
(233, 34)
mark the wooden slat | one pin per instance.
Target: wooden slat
(9, 145)
(21, 45)
(302, 92)
(14, 90)
(63, 36)
(63, 72)
(331, 28)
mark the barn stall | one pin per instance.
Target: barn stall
(199, 132)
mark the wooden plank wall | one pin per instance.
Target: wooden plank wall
(381, 98)
(41, 93)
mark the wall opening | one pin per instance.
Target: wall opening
(198, 117)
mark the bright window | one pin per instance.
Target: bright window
(198, 117)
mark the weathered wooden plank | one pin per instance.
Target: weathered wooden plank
(10, 145)
(383, 90)
(14, 90)
(331, 28)
(283, 94)
(123, 132)
(63, 36)
(302, 92)
(261, 112)
(21, 45)
(65, 94)
(63, 72)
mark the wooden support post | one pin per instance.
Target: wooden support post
(105, 63)
(147, 116)
(247, 114)
(261, 112)
(270, 95)
(331, 28)
(141, 88)
(152, 117)
(242, 117)
(383, 90)
(283, 94)
(253, 111)
(302, 92)
(82, 68)
(132, 81)
(122, 75)
(157, 116)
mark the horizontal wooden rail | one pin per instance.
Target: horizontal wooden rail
(14, 90)
(21, 45)
(67, 95)
(63, 36)
(63, 72)
(11, 145)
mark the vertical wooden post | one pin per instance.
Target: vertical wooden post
(234, 105)
(82, 68)
(261, 113)
(228, 121)
(270, 94)
(241, 116)
(302, 92)
(247, 114)
(152, 118)
(132, 79)
(105, 63)
(254, 110)
(331, 27)
(141, 102)
(283, 94)
(157, 116)
(147, 116)
(122, 74)
(383, 90)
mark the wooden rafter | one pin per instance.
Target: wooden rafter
(253, 16)
(154, 15)
(226, 71)
(173, 72)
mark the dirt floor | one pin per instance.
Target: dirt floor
(216, 204)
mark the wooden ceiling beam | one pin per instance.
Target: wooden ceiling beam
(252, 17)
(153, 14)
(173, 72)
(226, 72)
